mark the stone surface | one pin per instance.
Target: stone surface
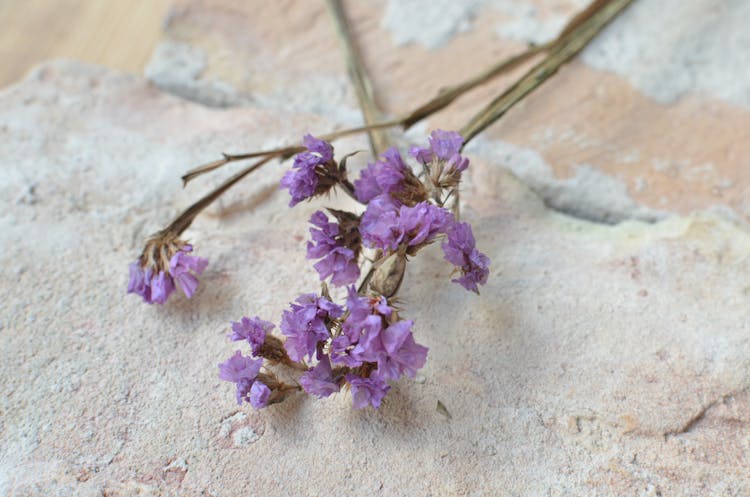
(599, 360)
(650, 120)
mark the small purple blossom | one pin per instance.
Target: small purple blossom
(379, 226)
(336, 259)
(445, 147)
(302, 180)
(155, 287)
(367, 391)
(386, 226)
(253, 330)
(460, 250)
(305, 324)
(402, 354)
(238, 367)
(319, 380)
(182, 266)
(421, 223)
(259, 393)
(381, 177)
(360, 338)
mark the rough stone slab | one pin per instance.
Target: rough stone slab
(651, 119)
(599, 360)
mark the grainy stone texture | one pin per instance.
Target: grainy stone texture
(654, 113)
(599, 360)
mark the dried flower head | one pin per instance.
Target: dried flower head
(164, 265)
(314, 171)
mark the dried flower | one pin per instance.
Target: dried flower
(442, 159)
(338, 255)
(313, 172)
(307, 324)
(241, 370)
(164, 264)
(367, 391)
(319, 381)
(460, 250)
(385, 226)
(402, 354)
(253, 330)
(259, 394)
(381, 177)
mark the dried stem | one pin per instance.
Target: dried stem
(579, 32)
(185, 219)
(358, 75)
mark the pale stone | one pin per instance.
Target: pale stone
(599, 360)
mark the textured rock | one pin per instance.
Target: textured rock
(651, 119)
(599, 360)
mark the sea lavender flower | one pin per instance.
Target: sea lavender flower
(381, 177)
(253, 330)
(420, 224)
(338, 251)
(319, 381)
(367, 391)
(379, 226)
(313, 172)
(242, 371)
(402, 354)
(460, 250)
(259, 394)
(165, 264)
(385, 226)
(306, 324)
(443, 158)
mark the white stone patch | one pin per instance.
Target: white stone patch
(670, 48)
(431, 25)
(244, 436)
(177, 68)
(588, 194)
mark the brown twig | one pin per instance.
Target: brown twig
(579, 32)
(358, 75)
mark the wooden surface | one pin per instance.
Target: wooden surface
(116, 33)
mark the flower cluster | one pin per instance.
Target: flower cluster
(165, 264)
(362, 344)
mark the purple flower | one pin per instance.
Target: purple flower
(253, 330)
(444, 145)
(239, 367)
(140, 281)
(162, 287)
(367, 391)
(305, 324)
(359, 341)
(182, 266)
(156, 285)
(445, 150)
(385, 226)
(302, 180)
(402, 354)
(379, 227)
(381, 177)
(327, 245)
(460, 251)
(421, 223)
(319, 380)
(259, 393)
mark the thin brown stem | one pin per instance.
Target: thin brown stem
(581, 30)
(447, 95)
(358, 76)
(282, 152)
(185, 219)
